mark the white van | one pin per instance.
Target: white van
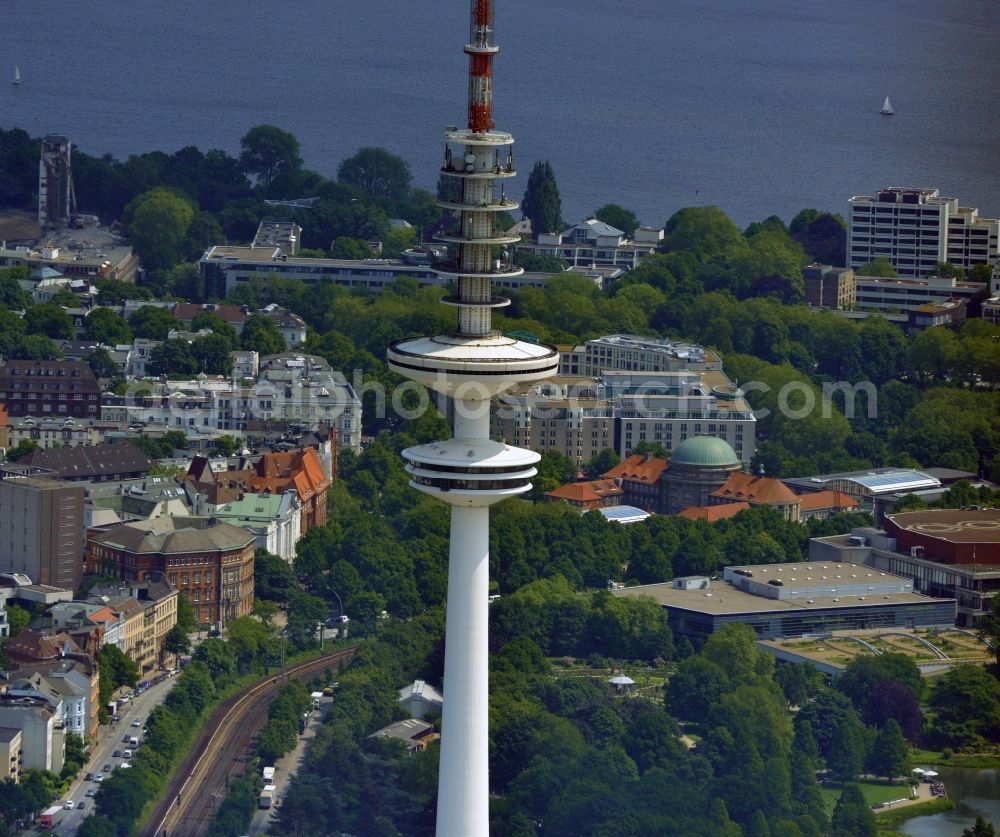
(127, 754)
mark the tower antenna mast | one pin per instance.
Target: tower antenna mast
(471, 472)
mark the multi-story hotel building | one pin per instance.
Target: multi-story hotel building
(917, 228)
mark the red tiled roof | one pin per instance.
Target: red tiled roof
(827, 500)
(586, 492)
(639, 467)
(713, 513)
(748, 488)
(187, 311)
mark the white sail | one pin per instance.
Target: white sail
(17, 75)
(887, 107)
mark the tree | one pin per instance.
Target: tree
(377, 173)
(618, 217)
(105, 326)
(217, 656)
(216, 323)
(601, 463)
(153, 322)
(877, 267)
(852, 817)
(186, 618)
(345, 247)
(225, 445)
(212, 355)
(260, 334)
(22, 449)
(268, 152)
(980, 828)
(541, 204)
(704, 231)
(988, 626)
(176, 641)
(157, 222)
(102, 364)
(51, 320)
(172, 357)
(17, 616)
(890, 754)
(846, 756)
(273, 577)
(122, 670)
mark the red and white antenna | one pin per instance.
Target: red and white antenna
(481, 50)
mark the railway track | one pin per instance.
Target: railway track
(222, 749)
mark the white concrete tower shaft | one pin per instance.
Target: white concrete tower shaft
(470, 471)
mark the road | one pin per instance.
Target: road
(109, 739)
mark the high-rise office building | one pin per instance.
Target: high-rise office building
(917, 228)
(470, 471)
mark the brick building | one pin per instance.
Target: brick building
(49, 388)
(210, 561)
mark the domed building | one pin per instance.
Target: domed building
(697, 467)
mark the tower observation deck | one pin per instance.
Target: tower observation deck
(471, 472)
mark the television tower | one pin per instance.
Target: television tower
(470, 471)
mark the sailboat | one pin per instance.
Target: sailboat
(17, 75)
(886, 107)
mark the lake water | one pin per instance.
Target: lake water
(758, 106)
(976, 793)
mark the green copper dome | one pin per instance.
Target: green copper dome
(705, 452)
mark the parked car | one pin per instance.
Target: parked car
(99, 778)
(124, 739)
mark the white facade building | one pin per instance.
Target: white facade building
(917, 228)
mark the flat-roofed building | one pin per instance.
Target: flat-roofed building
(827, 286)
(878, 293)
(226, 267)
(43, 740)
(873, 489)
(915, 228)
(946, 552)
(594, 242)
(11, 757)
(41, 528)
(286, 235)
(783, 600)
(630, 352)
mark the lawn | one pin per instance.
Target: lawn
(874, 792)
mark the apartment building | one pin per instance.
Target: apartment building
(827, 286)
(146, 607)
(11, 756)
(883, 294)
(628, 352)
(582, 416)
(226, 267)
(296, 388)
(594, 242)
(917, 228)
(49, 388)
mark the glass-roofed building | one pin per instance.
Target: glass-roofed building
(868, 486)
